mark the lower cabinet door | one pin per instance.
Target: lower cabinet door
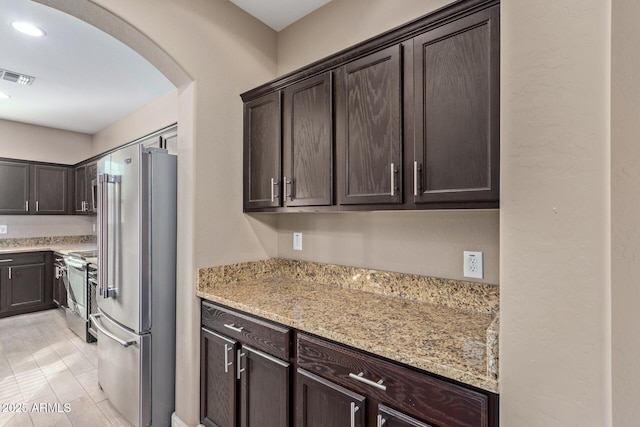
(321, 403)
(388, 417)
(264, 390)
(25, 287)
(218, 401)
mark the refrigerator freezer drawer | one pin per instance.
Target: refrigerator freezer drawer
(124, 369)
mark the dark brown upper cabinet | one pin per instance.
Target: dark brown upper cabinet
(14, 187)
(369, 129)
(262, 152)
(308, 142)
(457, 108)
(414, 122)
(49, 190)
(84, 197)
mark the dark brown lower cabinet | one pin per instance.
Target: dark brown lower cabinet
(388, 417)
(264, 390)
(25, 283)
(252, 377)
(218, 385)
(241, 386)
(321, 403)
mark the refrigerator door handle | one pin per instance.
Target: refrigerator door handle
(107, 291)
(94, 318)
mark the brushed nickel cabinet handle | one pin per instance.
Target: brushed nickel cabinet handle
(227, 349)
(393, 179)
(415, 178)
(360, 377)
(234, 327)
(240, 368)
(381, 421)
(6, 260)
(26, 205)
(10, 270)
(354, 409)
(37, 206)
(273, 189)
(287, 183)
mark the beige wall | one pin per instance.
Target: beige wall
(554, 216)
(44, 144)
(625, 208)
(46, 225)
(157, 114)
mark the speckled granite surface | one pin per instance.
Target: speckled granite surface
(62, 244)
(446, 327)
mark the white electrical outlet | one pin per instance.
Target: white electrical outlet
(473, 265)
(297, 241)
(4, 229)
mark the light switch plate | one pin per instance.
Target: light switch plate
(297, 241)
(473, 265)
(4, 229)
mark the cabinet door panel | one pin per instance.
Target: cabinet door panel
(14, 187)
(218, 401)
(456, 69)
(80, 193)
(321, 403)
(49, 189)
(308, 143)
(369, 123)
(262, 161)
(388, 417)
(25, 286)
(264, 390)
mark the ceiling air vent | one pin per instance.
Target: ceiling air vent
(14, 77)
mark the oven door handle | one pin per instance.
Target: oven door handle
(95, 317)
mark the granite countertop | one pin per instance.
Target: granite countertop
(60, 244)
(430, 331)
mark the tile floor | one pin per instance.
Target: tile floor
(51, 373)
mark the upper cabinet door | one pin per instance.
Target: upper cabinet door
(262, 158)
(14, 188)
(80, 196)
(369, 129)
(50, 193)
(457, 107)
(308, 143)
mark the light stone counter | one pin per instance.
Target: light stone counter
(60, 244)
(446, 327)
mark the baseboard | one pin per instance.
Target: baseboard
(177, 422)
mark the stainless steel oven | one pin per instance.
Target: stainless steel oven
(80, 281)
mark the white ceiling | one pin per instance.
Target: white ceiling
(84, 78)
(278, 14)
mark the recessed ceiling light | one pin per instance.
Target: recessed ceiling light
(4, 95)
(28, 29)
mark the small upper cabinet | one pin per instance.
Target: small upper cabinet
(308, 143)
(369, 129)
(457, 108)
(84, 196)
(262, 158)
(14, 187)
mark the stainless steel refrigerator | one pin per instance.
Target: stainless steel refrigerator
(136, 283)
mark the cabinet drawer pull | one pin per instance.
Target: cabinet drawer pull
(234, 327)
(6, 260)
(26, 205)
(37, 206)
(240, 368)
(381, 421)
(354, 409)
(394, 171)
(10, 268)
(360, 377)
(227, 348)
(288, 183)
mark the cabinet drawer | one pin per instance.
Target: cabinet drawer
(420, 395)
(268, 337)
(9, 259)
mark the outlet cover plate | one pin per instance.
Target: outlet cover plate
(4, 229)
(473, 265)
(297, 241)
